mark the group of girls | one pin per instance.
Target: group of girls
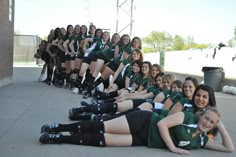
(141, 105)
(75, 59)
(182, 119)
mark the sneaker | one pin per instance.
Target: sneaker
(95, 117)
(87, 95)
(67, 86)
(84, 103)
(74, 113)
(49, 83)
(47, 138)
(75, 90)
(49, 128)
(96, 101)
(45, 81)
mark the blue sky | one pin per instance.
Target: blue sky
(208, 21)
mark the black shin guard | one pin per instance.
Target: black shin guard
(85, 139)
(102, 108)
(120, 114)
(113, 94)
(83, 127)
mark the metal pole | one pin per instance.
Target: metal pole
(117, 16)
(131, 18)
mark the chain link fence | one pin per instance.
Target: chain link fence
(25, 46)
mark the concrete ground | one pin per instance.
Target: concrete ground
(25, 105)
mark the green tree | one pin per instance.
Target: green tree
(178, 43)
(231, 42)
(235, 33)
(158, 41)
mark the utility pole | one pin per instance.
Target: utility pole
(129, 14)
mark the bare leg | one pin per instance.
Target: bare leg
(117, 126)
(145, 106)
(124, 105)
(83, 69)
(98, 67)
(67, 66)
(106, 73)
(92, 67)
(118, 139)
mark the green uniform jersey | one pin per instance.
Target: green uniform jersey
(178, 97)
(126, 49)
(175, 97)
(126, 72)
(133, 78)
(187, 104)
(139, 80)
(181, 135)
(154, 89)
(109, 53)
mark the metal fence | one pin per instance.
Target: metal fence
(25, 46)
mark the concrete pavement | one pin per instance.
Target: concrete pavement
(27, 104)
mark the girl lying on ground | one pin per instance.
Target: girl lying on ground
(178, 132)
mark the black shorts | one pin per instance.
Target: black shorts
(139, 122)
(113, 66)
(81, 54)
(62, 56)
(87, 60)
(69, 57)
(137, 102)
(102, 57)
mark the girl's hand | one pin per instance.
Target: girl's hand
(180, 151)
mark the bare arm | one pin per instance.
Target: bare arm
(178, 107)
(168, 103)
(160, 97)
(49, 51)
(120, 68)
(164, 125)
(65, 45)
(125, 55)
(60, 45)
(85, 43)
(140, 96)
(226, 145)
(127, 82)
(140, 88)
(71, 46)
(116, 52)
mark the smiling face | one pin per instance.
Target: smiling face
(115, 38)
(188, 88)
(135, 55)
(154, 71)
(166, 84)
(201, 99)
(136, 68)
(105, 36)
(126, 40)
(175, 88)
(136, 43)
(208, 121)
(145, 69)
(158, 81)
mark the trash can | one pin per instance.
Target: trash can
(214, 76)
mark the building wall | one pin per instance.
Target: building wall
(6, 41)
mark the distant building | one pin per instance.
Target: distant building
(7, 10)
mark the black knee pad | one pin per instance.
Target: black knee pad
(91, 127)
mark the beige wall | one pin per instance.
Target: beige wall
(6, 41)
